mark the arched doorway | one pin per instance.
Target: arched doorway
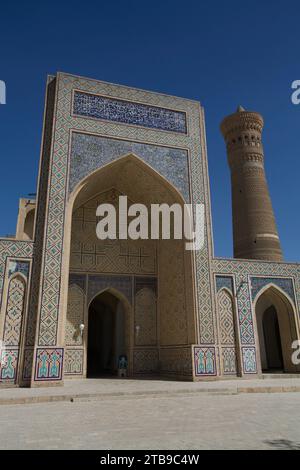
(276, 330)
(272, 341)
(106, 335)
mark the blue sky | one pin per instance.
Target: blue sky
(220, 53)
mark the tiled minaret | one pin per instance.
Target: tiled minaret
(254, 228)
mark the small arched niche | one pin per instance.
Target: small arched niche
(29, 225)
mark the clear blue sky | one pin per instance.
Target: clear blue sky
(221, 53)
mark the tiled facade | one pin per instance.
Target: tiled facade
(200, 311)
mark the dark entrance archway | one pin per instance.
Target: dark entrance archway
(276, 330)
(274, 359)
(106, 335)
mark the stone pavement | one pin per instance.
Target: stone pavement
(100, 389)
(161, 422)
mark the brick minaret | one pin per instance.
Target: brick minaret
(254, 228)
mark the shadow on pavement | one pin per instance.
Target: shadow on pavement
(283, 444)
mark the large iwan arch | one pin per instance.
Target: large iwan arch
(155, 276)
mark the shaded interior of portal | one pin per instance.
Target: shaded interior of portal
(273, 349)
(276, 328)
(106, 335)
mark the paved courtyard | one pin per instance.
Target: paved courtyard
(182, 421)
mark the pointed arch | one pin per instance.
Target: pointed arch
(227, 290)
(226, 312)
(131, 157)
(274, 288)
(115, 292)
(227, 331)
(20, 275)
(15, 307)
(277, 327)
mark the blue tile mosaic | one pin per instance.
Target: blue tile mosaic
(258, 283)
(90, 152)
(78, 279)
(224, 281)
(18, 267)
(142, 282)
(249, 360)
(98, 283)
(49, 364)
(111, 109)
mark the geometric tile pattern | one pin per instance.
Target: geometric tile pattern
(14, 312)
(73, 363)
(48, 364)
(257, 283)
(51, 215)
(245, 311)
(226, 313)
(226, 320)
(90, 152)
(8, 365)
(145, 361)
(249, 360)
(139, 114)
(205, 361)
(229, 361)
(204, 280)
(224, 281)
